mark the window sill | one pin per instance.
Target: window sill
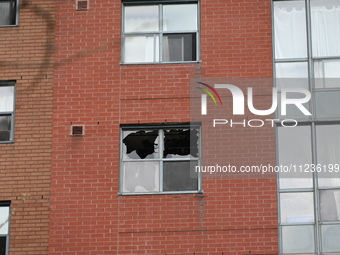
(160, 63)
(6, 142)
(1, 26)
(163, 193)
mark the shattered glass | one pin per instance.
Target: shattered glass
(141, 144)
(156, 160)
(180, 142)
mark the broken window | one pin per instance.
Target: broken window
(160, 159)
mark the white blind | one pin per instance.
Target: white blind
(6, 99)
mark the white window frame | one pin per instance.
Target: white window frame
(6, 204)
(160, 33)
(160, 160)
(16, 13)
(11, 114)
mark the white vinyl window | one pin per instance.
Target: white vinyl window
(7, 103)
(160, 159)
(9, 12)
(162, 32)
(4, 227)
(307, 55)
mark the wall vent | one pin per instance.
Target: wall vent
(77, 130)
(82, 5)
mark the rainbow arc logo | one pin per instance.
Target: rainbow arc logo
(209, 93)
(204, 96)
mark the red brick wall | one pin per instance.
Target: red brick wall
(25, 166)
(233, 216)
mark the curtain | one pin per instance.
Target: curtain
(6, 99)
(326, 41)
(152, 48)
(328, 152)
(141, 48)
(333, 150)
(141, 176)
(325, 30)
(290, 30)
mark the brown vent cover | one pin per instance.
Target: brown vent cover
(82, 5)
(77, 130)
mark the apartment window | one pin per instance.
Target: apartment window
(8, 12)
(7, 95)
(306, 55)
(160, 32)
(160, 159)
(310, 197)
(4, 227)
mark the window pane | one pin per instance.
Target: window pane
(139, 49)
(179, 47)
(140, 144)
(330, 205)
(327, 73)
(290, 29)
(6, 98)
(2, 245)
(292, 70)
(294, 145)
(179, 176)
(298, 239)
(328, 154)
(180, 143)
(327, 104)
(4, 217)
(7, 13)
(180, 17)
(140, 176)
(141, 18)
(292, 75)
(297, 207)
(5, 128)
(325, 17)
(292, 111)
(330, 238)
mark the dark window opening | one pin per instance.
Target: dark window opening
(5, 128)
(181, 142)
(179, 176)
(142, 142)
(3, 245)
(8, 12)
(179, 47)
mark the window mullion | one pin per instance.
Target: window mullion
(310, 57)
(316, 193)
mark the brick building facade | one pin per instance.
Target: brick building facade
(26, 75)
(97, 88)
(100, 130)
